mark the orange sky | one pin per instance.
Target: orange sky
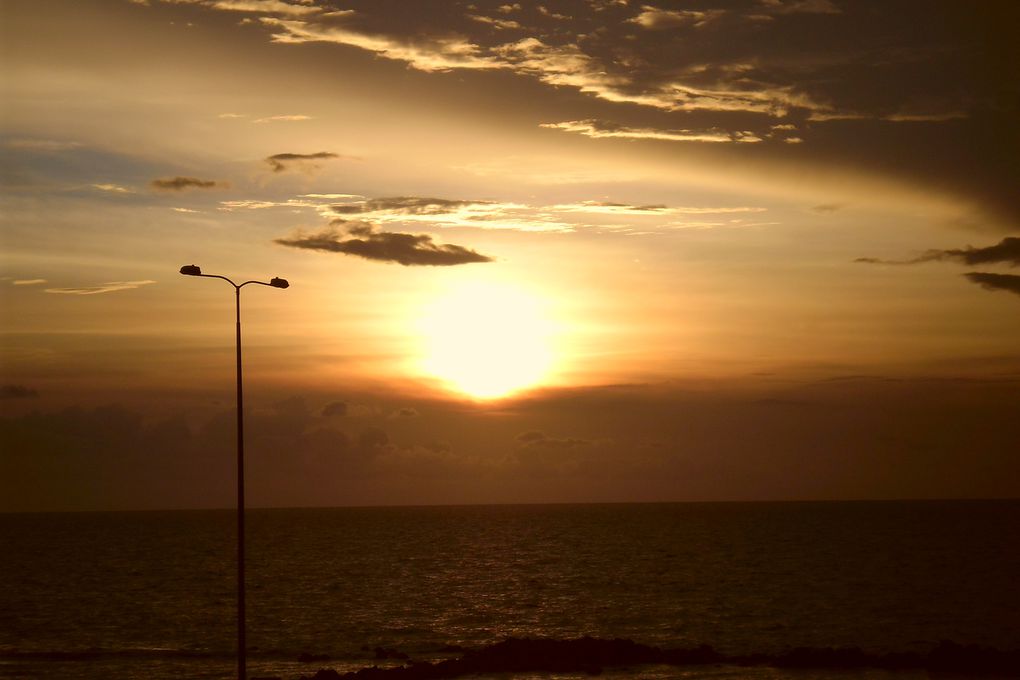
(491, 213)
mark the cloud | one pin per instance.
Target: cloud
(288, 118)
(1007, 282)
(108, 287)
(601, 62)
(827, 207)
(112, 188)
(365, 240)
(800, 6)
(182, 183)
(27, 282)
(607, 207)
(599, 129)
(17, 392)
(429, 54)
(33, 144)
(502, 24)
(405, 412)
(568, 65)
(406, 205)
(256, 204)
(540, 440)
(283, 161)
(269, 6)
(1006, 251)
(444, 212)
(656, 19)
(335, 409)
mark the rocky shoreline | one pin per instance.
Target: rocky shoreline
(591, 655)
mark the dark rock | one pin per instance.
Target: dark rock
(387, 653)
(954, 658)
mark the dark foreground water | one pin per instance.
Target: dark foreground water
(151, 595)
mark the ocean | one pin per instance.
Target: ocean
(150, 595)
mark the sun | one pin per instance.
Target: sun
(487, 339)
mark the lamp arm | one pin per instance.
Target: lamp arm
(217, 276)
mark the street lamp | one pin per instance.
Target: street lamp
(275, 282)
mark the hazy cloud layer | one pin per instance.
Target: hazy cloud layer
(990, 281)
(334, 409)
(633, 443)
(108, 287)
(17, 392)
(365, 240)
(538, 439)
(181, 183)
(284, 161)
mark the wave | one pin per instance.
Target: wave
(591, 655)
(93, 653)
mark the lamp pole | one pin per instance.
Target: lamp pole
(275, 282)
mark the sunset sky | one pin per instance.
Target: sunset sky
(589, 250)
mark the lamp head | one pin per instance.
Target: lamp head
(277, 282)
(191, 270)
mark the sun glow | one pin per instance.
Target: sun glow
(487, 340)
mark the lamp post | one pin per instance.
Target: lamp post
(276, 282)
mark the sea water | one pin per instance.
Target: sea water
(152, 594)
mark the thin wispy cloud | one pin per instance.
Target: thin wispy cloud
(363, 239)
(407, 205)
(265, 6)
(182, 183)
(33, 144)
(322, 207)
(27, 282)
(286, 118)
(606, 207)
(108, 287)
(598, 129)
(451, 213)
(406, 212)
(284, 161)
(113, 188)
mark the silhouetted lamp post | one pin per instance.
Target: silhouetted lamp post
(276, 282)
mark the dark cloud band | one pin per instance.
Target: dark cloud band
(282, 161)
(364, 240)
(180, 183)
(989, 281)
(1006, 251)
